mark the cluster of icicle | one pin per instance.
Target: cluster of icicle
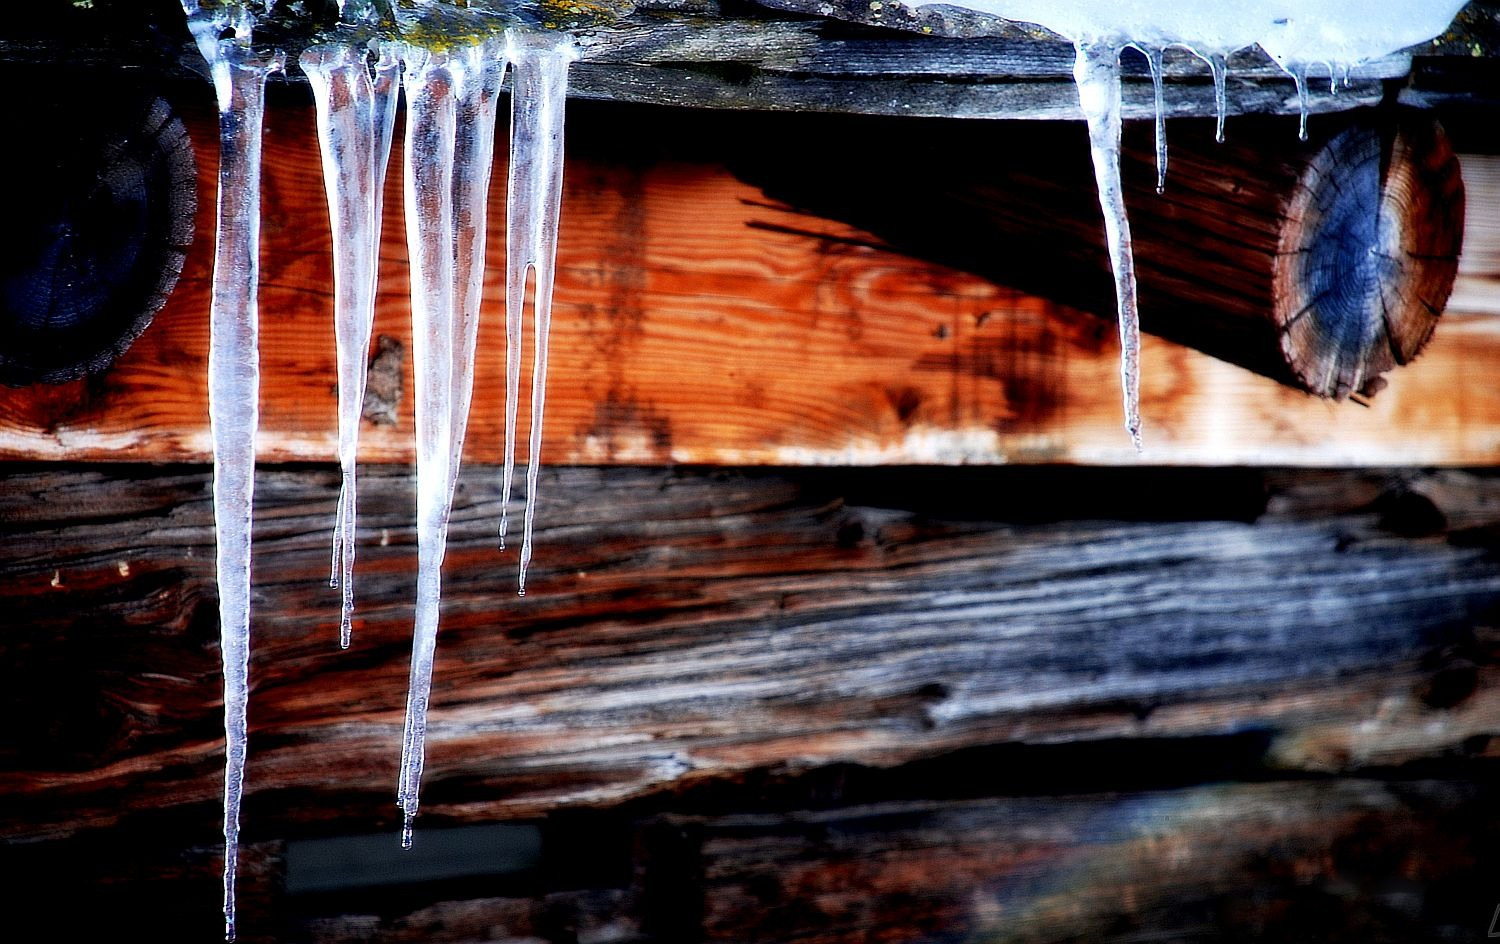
(450, 115)
(451, 98)
(1298, 35)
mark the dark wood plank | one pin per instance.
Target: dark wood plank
(700, 646)
(689, 626)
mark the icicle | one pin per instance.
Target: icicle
(1218, 67)
(1298, 72)
(539, 85)
(239, 77)
(356, 114)
(429, 82)
(1154, 60)
(450, 144)
(1096, 71)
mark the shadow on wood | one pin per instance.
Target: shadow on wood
(1321, 265)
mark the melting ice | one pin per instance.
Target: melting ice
(356, 112)
(451, 100)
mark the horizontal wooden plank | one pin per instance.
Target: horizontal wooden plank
(1270, 861)
(759, 59)
(703, 654)
(683, 627)
(699, 322)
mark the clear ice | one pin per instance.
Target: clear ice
(539, 83)
(239, 77)
(432, 81)
(356, 113)
(1096, 70)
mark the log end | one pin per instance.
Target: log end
(100, 218)
(1368, 254)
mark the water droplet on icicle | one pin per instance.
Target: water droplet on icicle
(239, 77)
(1096, 71)
(539, 83)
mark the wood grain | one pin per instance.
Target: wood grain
(698, 321)
(701, 645)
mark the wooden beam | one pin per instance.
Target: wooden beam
(690, 626)
(761, 59)
(699, 321)
(704, 654)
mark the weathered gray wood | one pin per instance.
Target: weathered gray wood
(765, 62)
(700, 645)
(682, 627)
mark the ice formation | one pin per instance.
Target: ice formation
(533, 196)
(239, 77)
(451, 95)
(1294, 33)
(356, 113)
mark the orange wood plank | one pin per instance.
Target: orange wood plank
(697, 322)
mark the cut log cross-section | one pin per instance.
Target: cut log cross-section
(1321, 264)
(1368, 254)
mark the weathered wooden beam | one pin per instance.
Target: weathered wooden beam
(760, 59)
(1322, 264)
(701, 320)
(683, 627)
(699, 645)
(1269, 861)
(98, 226)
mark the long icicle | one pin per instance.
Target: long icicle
(356, 113)
(1096, 70)
(433, 81)
(239, 77)
(539, 88)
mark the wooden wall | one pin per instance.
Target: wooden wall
(747, 698)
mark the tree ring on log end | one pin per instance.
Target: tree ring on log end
(104, 194)
(1368, 254)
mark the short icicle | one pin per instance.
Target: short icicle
(1154, 61)
(239, 77)
(1298, 72)
(539, 86)
(356, 113)
(429, 81)
(1218, 67)
(1097, 72)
